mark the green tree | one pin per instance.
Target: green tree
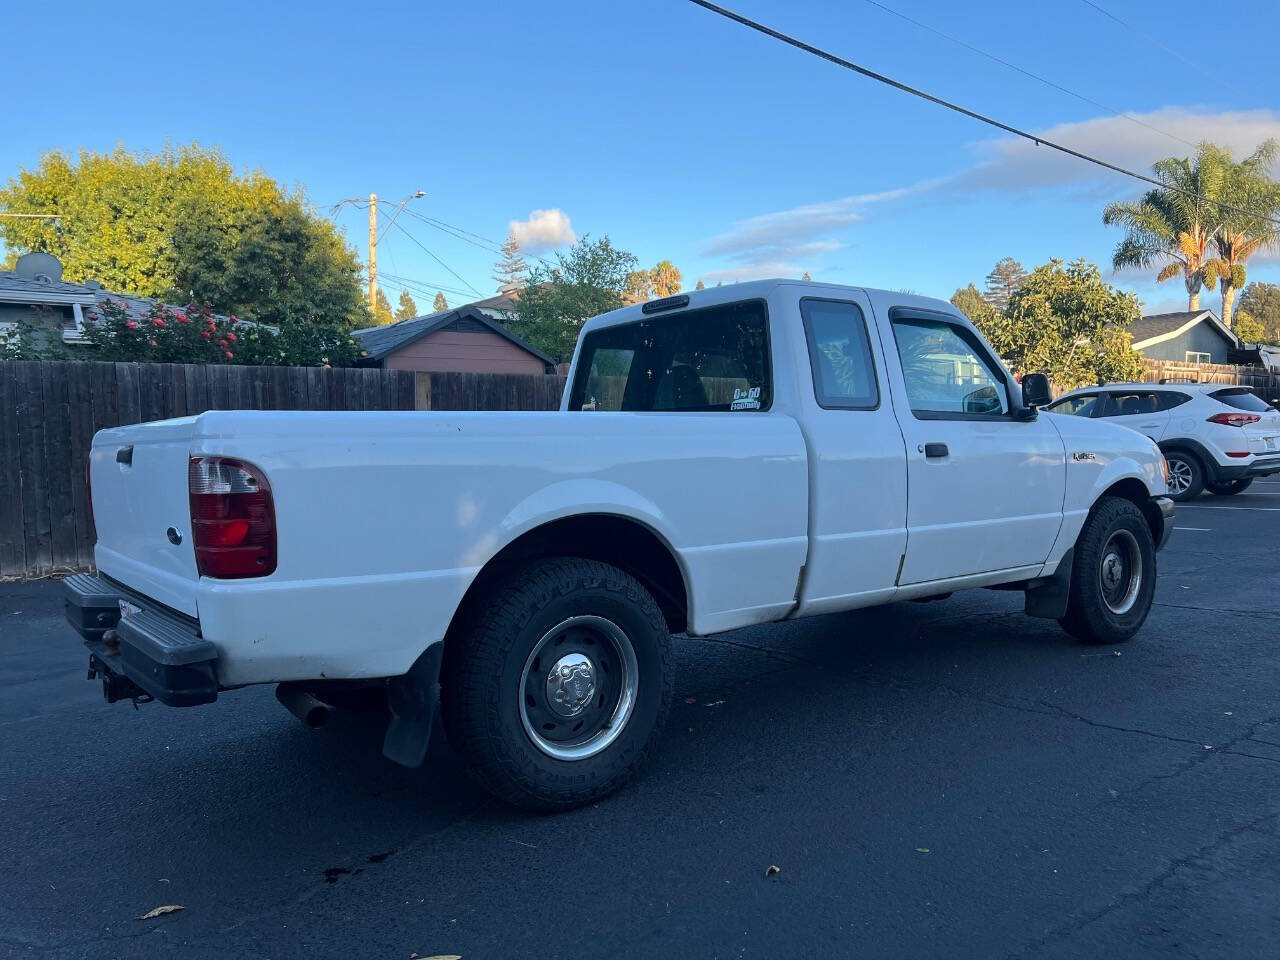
(639, 286)
(1173, 225)
(1247, 225)
(1066, 321)
(181, 225)
(1248, 328)
(511, 271)
(439, 304)
(974, 306)
(592, 278)
(406, 308)
(382, 314)
(1005, 277)
(1262, 302)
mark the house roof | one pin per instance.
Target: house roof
(1158, 327)
(16, 289)
(379, 342)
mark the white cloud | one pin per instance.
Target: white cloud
(1011, 163)
(785, 242)
(544, 230)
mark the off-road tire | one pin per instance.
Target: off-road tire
(1196, 469)
(1230, 488)
(1088, 616)
(485, 660)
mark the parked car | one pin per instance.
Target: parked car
(722, 458)
(1215, 438)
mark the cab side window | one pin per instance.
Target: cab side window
(946, 371)
(1130, 404)
(1081, 406)
(844, 375)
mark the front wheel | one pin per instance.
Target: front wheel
(1186, 475)
(1113, 577)
(1230, 488)
(560, 685)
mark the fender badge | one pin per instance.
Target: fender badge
(1086, 455)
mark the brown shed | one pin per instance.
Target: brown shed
(468, 339)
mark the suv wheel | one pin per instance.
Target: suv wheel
(562, 681)
(1230, 488)
(1113, 578)
(1186, 475)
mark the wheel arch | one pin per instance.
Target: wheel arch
(1136, 492)
(1196, 449)
(619, 539)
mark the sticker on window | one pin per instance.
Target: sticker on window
(748, 399)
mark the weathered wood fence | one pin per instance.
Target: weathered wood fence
(1266, 383)
(49, 412)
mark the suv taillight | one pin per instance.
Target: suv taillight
(1234, 419)
(233, 518)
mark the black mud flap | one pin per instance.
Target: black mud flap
(1048, 596)
(412, 700)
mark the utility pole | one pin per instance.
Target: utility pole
(373, 250)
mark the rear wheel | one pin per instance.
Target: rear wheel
(1186, 475)
(1230, 488)
(559, 685)
(1114, 574)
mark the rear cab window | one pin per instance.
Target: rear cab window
(715, 359)
(844, 374)
(1242, 399)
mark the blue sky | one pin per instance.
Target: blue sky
(679, 134)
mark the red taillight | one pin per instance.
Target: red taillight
(1234, 419)
(233, 518)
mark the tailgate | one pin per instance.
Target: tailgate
(138, 475)
(1264, 436)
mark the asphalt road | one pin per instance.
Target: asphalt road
(947, 779)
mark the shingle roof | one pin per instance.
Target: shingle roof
(1159, 324)
(13, 287)
(381, 341)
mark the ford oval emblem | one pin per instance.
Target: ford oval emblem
(174, 536)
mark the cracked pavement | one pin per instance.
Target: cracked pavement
(945, 779)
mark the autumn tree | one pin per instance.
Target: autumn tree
(666, 279)
(181, 225)
(439, 304)
(382, 314)
(592, 278)
(511, 271)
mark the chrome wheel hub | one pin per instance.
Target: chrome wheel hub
(571, 684)
(578, 688)
(1120, 572)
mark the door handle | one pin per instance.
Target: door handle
(934, 450)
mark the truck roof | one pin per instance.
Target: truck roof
(755, 289)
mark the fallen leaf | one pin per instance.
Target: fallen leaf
(771, 871)
(161, 911)
(922, 849)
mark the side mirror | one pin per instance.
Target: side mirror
(1035, 390)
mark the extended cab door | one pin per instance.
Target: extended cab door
(984, 487)
(857, 462)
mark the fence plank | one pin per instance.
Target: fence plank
(80, 394)
(13, 550)
(37, 524)
(57, 464)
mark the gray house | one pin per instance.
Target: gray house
(1195, 336)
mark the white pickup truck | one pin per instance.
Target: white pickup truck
(722, 458)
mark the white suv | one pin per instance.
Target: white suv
(1214, 437)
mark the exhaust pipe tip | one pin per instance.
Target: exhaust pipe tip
(303, 705)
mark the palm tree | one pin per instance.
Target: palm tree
(665, 278)
(1173, 225)
(1248, 225)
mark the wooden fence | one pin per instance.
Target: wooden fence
(49, 412)
(1266, 383)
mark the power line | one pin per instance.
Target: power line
(438, 260)
(424, 286)
(965, 111)
(1152, 40)
(1027, 73)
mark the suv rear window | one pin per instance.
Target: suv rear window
(713, 359)
(1241, 399)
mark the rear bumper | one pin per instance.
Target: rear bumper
(1258, 467)
(138, 647)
